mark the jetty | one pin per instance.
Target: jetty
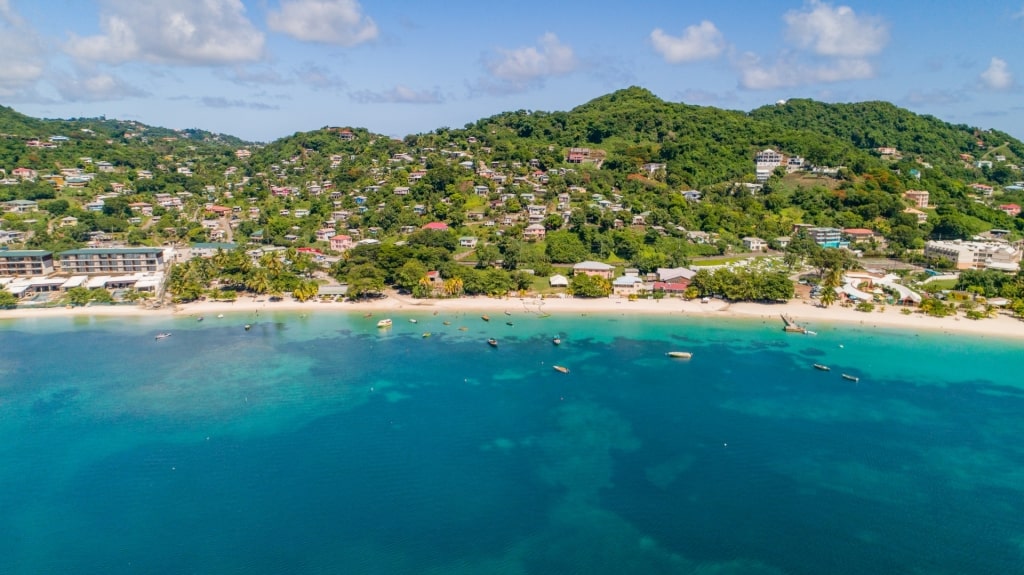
(791, 325)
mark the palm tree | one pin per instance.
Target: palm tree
(453, 287)
(830, 281)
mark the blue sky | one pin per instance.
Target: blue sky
(263, 69)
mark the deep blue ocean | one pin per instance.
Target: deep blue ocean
(317, 443)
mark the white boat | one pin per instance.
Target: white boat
(680, 354)
(163, 335)
(384, 323)
(561, 368)
(412, 320)
(809, 332)
(852, 378)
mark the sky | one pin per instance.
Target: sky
(264, 69)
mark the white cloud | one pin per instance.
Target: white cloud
(22, 58)
(835, 31)
(339, 22)
(699, 42)
(526, 67)
(221, 102)
(188, 32)
(399, 95)
(787, 73)
(318, 77)
(93, 86)
(997, 76)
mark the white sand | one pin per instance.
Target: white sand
(802, 311)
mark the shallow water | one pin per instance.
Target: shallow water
(320, 444)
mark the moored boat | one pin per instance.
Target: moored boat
(163, 335)
(412, 320)
(492, 342)
(386, 322)
(247, 327)
(852, 378)
(426, 334)
(561, 368)
(822, 367)
(556, 340)
(485, 317)
(680, 354)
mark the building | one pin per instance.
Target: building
(534, 232)
(341, 242)
(26, 262)
(1012, 210)
(468, 241)
(859, 234)
(21, 206)
(558, 280)
(436, 226)
(917, 197)
(976, 255)
(594, 269)
(827, 237)
(754, 244)
(209, 249)
(111, 260)
(921, 216)
(627, 285)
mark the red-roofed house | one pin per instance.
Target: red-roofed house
(341, 242)
(677, 287)
(219, 210)
(859, 234)
(1012, 210)
(439, 226)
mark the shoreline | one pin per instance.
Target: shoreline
(804, 312)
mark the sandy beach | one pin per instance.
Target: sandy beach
(803, 311)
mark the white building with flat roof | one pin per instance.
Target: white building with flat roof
(976, 255)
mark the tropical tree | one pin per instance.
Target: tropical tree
(585, 285)
(306, 290)
(7, 299)
(453, 287)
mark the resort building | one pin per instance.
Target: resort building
(111, 260)
(827, 237)
(26, 262)
(976, 255)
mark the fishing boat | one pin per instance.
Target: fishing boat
(247, 327)
(426, 334)
(508, 312)
(561, 368)
(556, 340)
(412, 320)
(163, 335)
(822, 367)
(509, 323)
(680, 354)
(446, 322)
(852, 378)
(492, 342)
(200, 318)
(485, 317)
(386, 322)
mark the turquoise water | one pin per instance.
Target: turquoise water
(320, 444)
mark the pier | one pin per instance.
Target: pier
(791, 325)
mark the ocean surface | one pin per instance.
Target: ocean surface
(317, 443)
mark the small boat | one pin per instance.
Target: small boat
(556, 340)
(485, 317)
(492, 342)
(446, 322)
(508, 312)
(247, 327)
(822, 367)
(200, 318)
(463, 328)
(163, 335)
(412, 320)
(384, 323)
(509, 323)
(367, 315)
(852, 378)
(220, 315)
(561, 368)
(809, 332)
(426, 334)
(680, 354)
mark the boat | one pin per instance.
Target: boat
(508, 323)
(556, 340)
(200, 318)
(508, 313)
(426, 334)
(247, 327)
(822, 367)
(412, 320)
(367, 315)
(492, 342)
(163, 335)
(561, 368)
(852, 378)
(485, 317)
(220, 315)
(384, 322)
(463, 328)
(446, 322)
(680, 354)
(809, 332)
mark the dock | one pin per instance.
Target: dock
(791, 325)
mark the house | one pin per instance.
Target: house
(627, 285)
(983, 188)
(21, 206)
(1012, 210)
(673, 288)
(558, 280)
(675, 275)
(578, 155)
(592, 268)
(534, 232)
(754, 244)
(209, 249)
(436, 226)
(921, 216)
(341, 243)
(859, 234)
(691, 195)
(325, 234)
(26, 263)
(68, 221)
(242, 153)
(468, 241)
(917, 197)
(782, 242)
